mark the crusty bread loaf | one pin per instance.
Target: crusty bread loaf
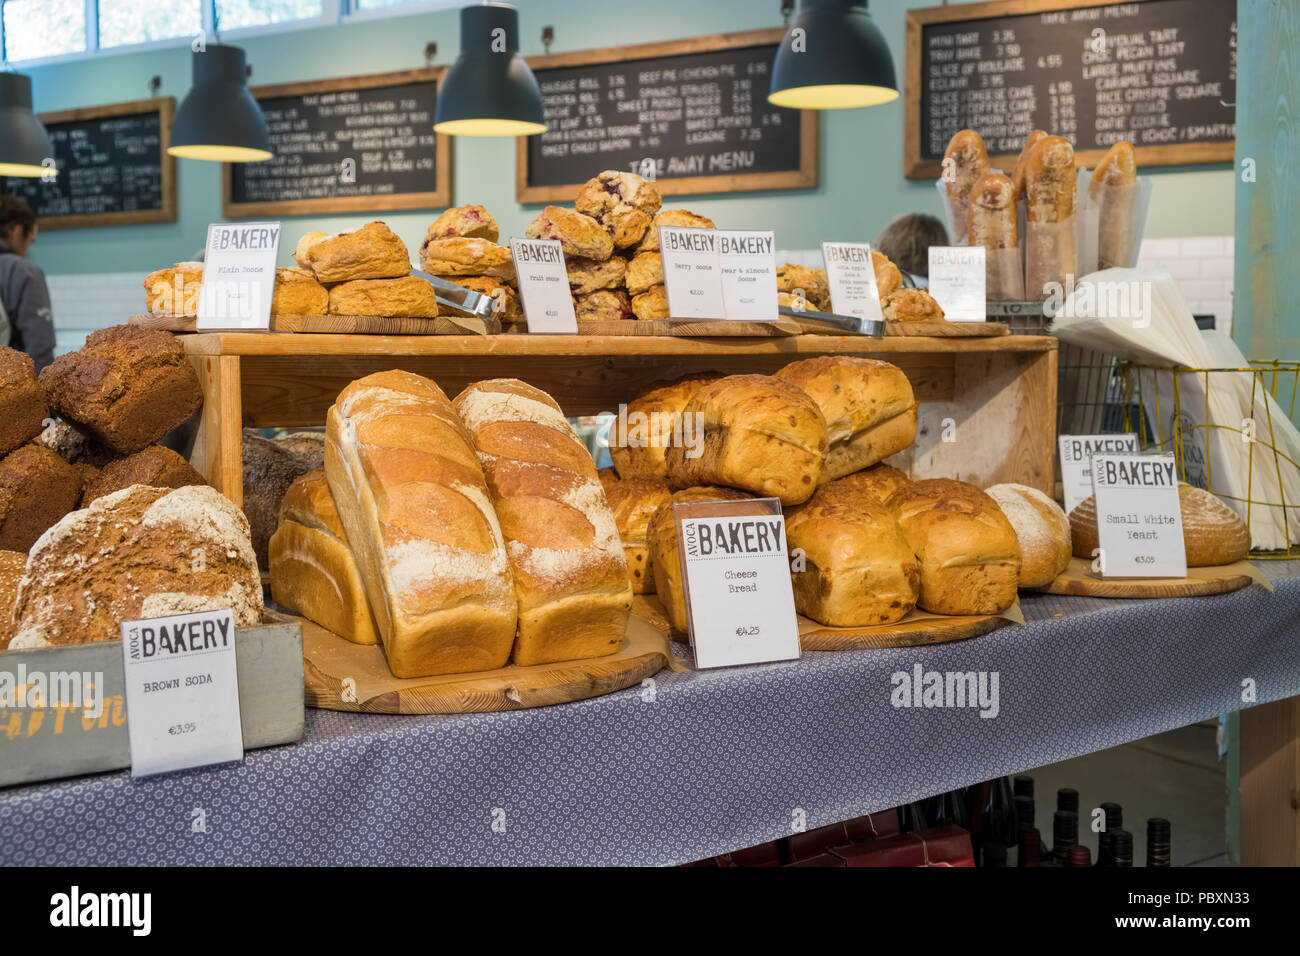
(964, 162)
(12, 565)
(570, 575)
(970, 559)
(634, 503)
(1117, 228)
(850, 564)
(880, 481)
(74, 446)
(140, 552)
(868, 406)
(1018, 175)
(608, 478)
(156, 466)
(1118, 167)
(665, 562)
(638, 450)
(23, 408)
(1050, 180)
(1042, 531)
(761, 434)
(312, 569)
(269, 469)
(1213, 534)
(37, 488)
(993, 213)
(411, 496)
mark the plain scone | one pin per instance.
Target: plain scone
(411, 496)
(1042, 530)
(140, 552)
(372, 252)
(569, 571)
(312, 568)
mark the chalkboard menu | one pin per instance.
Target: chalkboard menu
(694, 112)
(113, 167)
(1160, 74)
(349, 144)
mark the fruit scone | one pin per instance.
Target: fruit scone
(645, 271)
(592, 275)
(466, 222)
(579, 235)
(624, 203)
(911, 305)
(467, 257)
(682, 218)
(604, 304)
(651, 304)
(812, 282)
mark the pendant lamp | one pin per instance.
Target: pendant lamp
(833, 57)
(219, 120)
(24, 143)
(489, 90)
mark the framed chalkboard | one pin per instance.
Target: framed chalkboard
(113, 167)
(696, 109)
(349, 144)
(1161, 74)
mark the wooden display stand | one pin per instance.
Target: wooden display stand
(987, 405)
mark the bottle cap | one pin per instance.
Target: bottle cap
(1079, 856)
(1024, 786)
(1067, 799)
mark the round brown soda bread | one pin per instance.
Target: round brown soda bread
(127, 386)
(156, 466)
(75, 447)
(23, 409)
(37, 488)
(269, 469)
(12, 565)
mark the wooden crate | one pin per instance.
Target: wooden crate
(44, 743)
(987, 404)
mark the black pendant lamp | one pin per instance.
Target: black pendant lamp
(24, 143)
(833, 57)
(489, 90)
(219, 120)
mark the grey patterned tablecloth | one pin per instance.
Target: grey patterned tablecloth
(698, 764)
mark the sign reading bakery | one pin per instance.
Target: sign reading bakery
(690, 114)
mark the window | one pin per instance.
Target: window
(123, 22)
(234, 14)
(37, 28)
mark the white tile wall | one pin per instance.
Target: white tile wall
(1203, 266)
(92, 300)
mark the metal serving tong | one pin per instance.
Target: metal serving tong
(845, 323)
(458, 297)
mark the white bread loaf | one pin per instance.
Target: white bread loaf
(1042, 531)
(1213, 534)
(412, 499)
(570, 574)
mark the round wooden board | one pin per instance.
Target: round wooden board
(328, 660)
(1078, 579)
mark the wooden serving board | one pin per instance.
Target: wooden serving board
(344, 324)
(698, 329)
(328, 660)
(1079, 579)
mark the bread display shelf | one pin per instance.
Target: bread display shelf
(947, 330)
(329, 660)
(692, 329)
(1079, 579)
(344, 324)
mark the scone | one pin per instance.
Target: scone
(592, 275)
(306, 242)
(371, 252)
(651, 304)
(621, 202)
(888, 278)
(604, 304)
(681, 218)
(812, 282)
(644, 271)
(469, 222)
(506, 307)
(298, 293)
(911, 305)
(579, 235)
(467, 257)
(796, 301)
(174, 291)
(409, 295)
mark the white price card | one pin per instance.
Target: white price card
(238, 275)
(1076, 462)
(1139, 523)
(692, 273)
(957, 282)
(544, 285)
(182, 691)
(736, 577)
(852, 280)
(747, 260)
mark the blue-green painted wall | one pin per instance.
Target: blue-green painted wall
(862, 184)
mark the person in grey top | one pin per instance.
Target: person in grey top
(24, 296)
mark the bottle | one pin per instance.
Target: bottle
(995, 854)
(1121, 848)
(1029, 851)
(1114, 820)
(1158, 842)
(1024, 812)
(1065, 835)
(1000, 824)
(1079, 856)
(1024, 786)
(1067, 799)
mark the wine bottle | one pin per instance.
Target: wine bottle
(1024, 786)
(1065, 835)
(1158, 842)
(1079, 856)
(1067, 799)
(1030, 849)
(1113, 820)
(995, 854)
(1121, 848)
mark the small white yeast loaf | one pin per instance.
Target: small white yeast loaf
(1042, 529)
(412, 499)
(570, 573)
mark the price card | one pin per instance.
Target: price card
(1076, 462)
(736, 577)
(544, 285)
(238, 275)
(747, 260)
(182, 691)
(1139, 523)
(692, 273)
(852, 279)
(957, 282)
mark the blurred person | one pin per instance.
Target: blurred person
(24, 296)
(907, 241)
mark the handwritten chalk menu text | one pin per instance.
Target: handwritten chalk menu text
(350, 144)
(692, 114)
(1160, 74)
(113, 167)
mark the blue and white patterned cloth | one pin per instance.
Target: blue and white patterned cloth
(693, 765)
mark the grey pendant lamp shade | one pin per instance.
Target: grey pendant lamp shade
(489, 90)
(24, 143)
(833, 57)
(219, 119)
